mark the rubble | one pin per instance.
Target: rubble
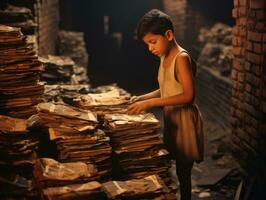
(217, 49)
(72, 44)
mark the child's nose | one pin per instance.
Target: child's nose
(150, 48)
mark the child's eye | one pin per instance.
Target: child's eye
(153, 41)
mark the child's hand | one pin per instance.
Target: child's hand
(134, 99)
(138, 107)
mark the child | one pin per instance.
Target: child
(183, 129)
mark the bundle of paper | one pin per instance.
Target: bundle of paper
(149, 187)
(50, 173)
(18, 17)
(19, 74)
(90, 190)
(17, 144)
(101, 103)
(137, 145)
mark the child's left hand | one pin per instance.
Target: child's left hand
(138, 107)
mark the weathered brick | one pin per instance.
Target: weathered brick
(242, 2)
(239, 114)
(237, 51)
(238, 64)
(259, 14)
(247, 66)
(257, 70)
(236, 3)
(236, 30)
(257, 4)
(242, 31)
(234, 74)
(259, 26)
(249, 45)
(235, 13)
(242, 21)
(255, 36)
(248, 98)
(241, 77)
(242, 11)
(252, 111)
(254, 58)
(258, 48)
(253, 80)
(248, 87)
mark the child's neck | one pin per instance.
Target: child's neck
(174, 48)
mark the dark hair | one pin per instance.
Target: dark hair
(154, 21)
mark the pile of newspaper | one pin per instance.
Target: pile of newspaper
(76, 136)
(17, 156)
(20, 90)
(52, 178)
(18, 17)
(137, 145)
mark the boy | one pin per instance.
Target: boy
(183, 128)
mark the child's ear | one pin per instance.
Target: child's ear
(169, 35)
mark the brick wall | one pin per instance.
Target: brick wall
(48, 19)
(249, 92)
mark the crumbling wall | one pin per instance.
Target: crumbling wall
(249, 92)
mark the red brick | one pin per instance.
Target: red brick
(254, 58)
(237, 51)
(236, 3)
(234, 74)
(257, 70)
(249, 46)
(242, 11)
(235, 13)
(257, 4)
(247, 66)
(260, 14)
(242, 2)
(259, 26)
(238, 64)
(241, 77)
(255, 36)
(242, 21)
(248, 87)
(258, 48)
(236, 30)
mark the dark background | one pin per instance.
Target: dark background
(131, 66)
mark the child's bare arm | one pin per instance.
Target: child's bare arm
(185, 77)
(183, 70)
(150, 95)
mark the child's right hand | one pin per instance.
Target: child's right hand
(134, 99)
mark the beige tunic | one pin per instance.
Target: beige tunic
(183, 128)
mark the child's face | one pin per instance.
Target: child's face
(157, 44)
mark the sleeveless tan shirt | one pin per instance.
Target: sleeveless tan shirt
(168, 84)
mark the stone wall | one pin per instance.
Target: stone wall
(249, 92)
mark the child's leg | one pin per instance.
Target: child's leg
(183, 172)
